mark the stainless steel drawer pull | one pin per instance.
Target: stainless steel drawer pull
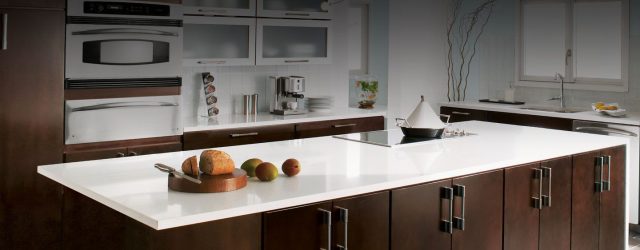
(296, 61)
(460, 113)
(133, 31)
(537, 200)
(546, 199)
(459, 191)
(212, 11)
(113, 105)
(606, 185)
(296, 14)
(133, 153)
(344, 125)
(326, 219)
(599, 172)
(120, 154)
(212, 62)
(5, 30)
(243, 135)
(446, 225)
(343, 216)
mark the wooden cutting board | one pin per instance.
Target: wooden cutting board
(210, 183)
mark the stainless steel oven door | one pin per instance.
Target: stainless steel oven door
(123, 51)
(99, 120)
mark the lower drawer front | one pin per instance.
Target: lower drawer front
(230, 137)
(336, 127)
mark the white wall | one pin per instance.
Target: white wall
(417, 54)
(234, 81)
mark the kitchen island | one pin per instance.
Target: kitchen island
(334, 169)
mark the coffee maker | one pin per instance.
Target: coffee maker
(284, 92)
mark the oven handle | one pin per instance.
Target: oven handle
(123, 105)
(124, 31)
(606, 130)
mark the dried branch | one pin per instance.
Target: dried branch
(490, 4)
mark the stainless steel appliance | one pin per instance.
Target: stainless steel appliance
(633, 162)
(284, 93)
(119, 43)
(99, 120)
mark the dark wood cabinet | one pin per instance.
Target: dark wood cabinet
(239, 136)
(31, 127)
(470, 206)
(530, 120)
(305, 227)
(336, 127)
(361, 222)
(461, 115)
(115, 149)
(537, 205)
(597, 216)
(54, 4)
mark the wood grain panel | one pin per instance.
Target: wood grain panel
(461, 115)
(368, 222)
(225, 137)
(521, 218)
(555, 221)
(337, 127)
(612, 207)
(531, 120)
(54, 4)
(296, 228)
(585, 209)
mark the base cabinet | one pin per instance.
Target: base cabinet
(462, 213)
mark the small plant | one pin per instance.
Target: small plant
(368, 92)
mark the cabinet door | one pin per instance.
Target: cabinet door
(612, 206)
(361, 222)
(585, 203)
(95, 154)
(555, 225)
(336, 127)
(461, 115)
(522, 204)
(220, 8)
(286, 42)
(310, 9)
(31, 126)
(154, 148)
(482, 217)
(219, 41)
(54, 4)
(240, 136)
(305, 227)
(417, 214)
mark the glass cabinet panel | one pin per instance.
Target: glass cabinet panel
(315, 9)
(218, 40)
(293, 41)
(220, 7)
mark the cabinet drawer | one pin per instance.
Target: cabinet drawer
(461, 115)
(154, 148)
(114, 149)
(95, 154)
(530, 120)
(240, 136)
(336, 127)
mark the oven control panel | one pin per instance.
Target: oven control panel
(124, 8)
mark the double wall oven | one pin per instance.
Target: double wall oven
(115, 46)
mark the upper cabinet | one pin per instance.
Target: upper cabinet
(283, 41)
(218, 41)
(311, 9)
(220, 7)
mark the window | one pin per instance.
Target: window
(584, 40)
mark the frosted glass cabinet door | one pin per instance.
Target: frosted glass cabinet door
(220, 7)
(284, 41)
(310, 9)
(218, 41)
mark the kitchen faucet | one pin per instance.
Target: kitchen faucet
(560, 77)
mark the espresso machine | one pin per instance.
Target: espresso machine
(284, 92)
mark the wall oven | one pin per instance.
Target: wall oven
(123, 44)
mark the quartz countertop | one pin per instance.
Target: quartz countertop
(632, 118)
(227, 121)
(331, 168)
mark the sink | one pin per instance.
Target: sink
(554, 109)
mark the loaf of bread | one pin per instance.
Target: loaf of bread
(215, 162)
(190, 166)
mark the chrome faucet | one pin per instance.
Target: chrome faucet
(560, 77)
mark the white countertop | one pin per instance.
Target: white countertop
(331, 168)
(264, 119)
(632, 118)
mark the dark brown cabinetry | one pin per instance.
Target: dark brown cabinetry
(597, 217)
(336, 127)
(239, 136)
(115, 149)
(360, 222)
(31, 126)
(463, 213)
(537, 205)
(54, 4)
(461, 115)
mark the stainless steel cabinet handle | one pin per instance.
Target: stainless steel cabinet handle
(446, 225)
(606, 130)
(212, 11)
(296, 14)
(606, 185)
(133, 153)
(546, 199)
(537, 201)
(212, 62)
(5, 30)
(296, 61)
(243, 135)
(460, 113)
(459, 191)
(326, 218)
(599, 168)
(113, 105)
(343, 216)
(120, 154)
(133, 31)
(344, 125)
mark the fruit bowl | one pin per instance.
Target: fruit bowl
(611, 109)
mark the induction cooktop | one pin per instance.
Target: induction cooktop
(395, 138)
